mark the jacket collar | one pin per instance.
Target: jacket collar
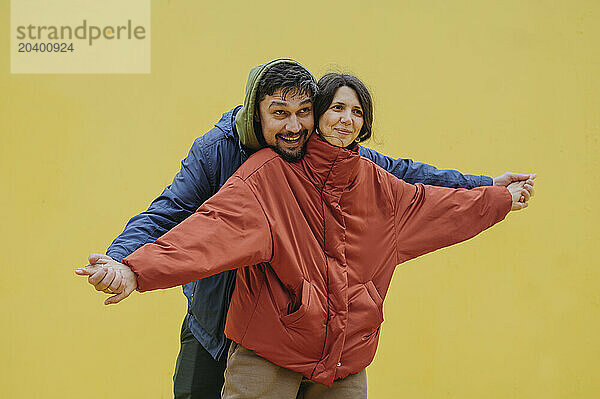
(331, 169)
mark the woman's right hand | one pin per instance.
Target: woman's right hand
(109, 276)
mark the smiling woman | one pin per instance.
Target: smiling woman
(340, 125)
(343, 109)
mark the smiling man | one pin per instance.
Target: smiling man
(277, 113)
(286, 120)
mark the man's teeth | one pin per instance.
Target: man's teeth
(291, 138)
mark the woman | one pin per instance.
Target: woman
(343, 110)
(315, 243)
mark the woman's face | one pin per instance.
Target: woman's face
(340, 125)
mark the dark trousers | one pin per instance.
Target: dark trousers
(197, 374)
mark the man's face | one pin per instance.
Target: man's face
(286, 123)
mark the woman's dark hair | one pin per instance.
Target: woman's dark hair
(328, 85)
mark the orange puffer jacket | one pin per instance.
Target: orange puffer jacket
(315, 243)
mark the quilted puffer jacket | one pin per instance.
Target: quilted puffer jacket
(315, 243)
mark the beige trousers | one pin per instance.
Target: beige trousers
(249, 376)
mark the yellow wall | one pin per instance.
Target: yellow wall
(483, 87)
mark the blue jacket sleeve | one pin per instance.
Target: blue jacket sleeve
(417, 172)
(192, 185)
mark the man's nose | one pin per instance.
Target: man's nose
(293, 124)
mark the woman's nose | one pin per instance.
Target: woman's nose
(345, 118)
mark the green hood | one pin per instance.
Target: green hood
(244, 120)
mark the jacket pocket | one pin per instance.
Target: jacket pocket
(374, 294)
(377, 300)
(294, 317)
(365, 313)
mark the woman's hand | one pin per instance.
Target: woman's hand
(509, 177)
(520, 195)
(109, 276)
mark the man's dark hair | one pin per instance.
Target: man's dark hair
(327, 87)
(289, 77)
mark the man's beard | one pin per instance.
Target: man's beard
(293, 156)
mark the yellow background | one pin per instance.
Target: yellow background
(483, 87)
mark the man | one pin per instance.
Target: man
(285, 126)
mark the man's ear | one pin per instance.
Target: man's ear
(256, 116)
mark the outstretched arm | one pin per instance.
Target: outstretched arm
(228, 231)
(190, 188)
(193, 184)
(429, 218)
(417, 172)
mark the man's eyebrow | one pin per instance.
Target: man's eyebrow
(278, 104)
(307, 101)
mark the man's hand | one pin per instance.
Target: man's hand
(518, 191)
(109, 276)
(507, 178)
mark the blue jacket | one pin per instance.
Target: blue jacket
(213, 158)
